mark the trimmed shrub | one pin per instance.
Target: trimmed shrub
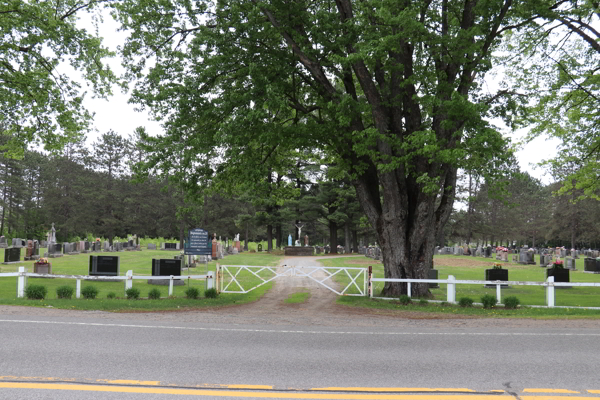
(404, 299)
(511, 302)
(111, 295)
(36, 292)
(89, 292)
(132, 293)
(192, 293)
(465, 302)
(211, 293)
(64, 292)
(154, 294)
(488, 301)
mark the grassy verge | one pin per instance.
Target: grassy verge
(475, 311)
(528, 295)
(140, 305)
(141, 264)
(296, 298)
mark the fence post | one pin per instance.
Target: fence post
(78, 289)
(171, 286)
(370, 283)
(409, 289)
(498, 294)
(451, 289)
(129, 280)
(210, 280)
(550, 292)
(219, 278)
(21, 282)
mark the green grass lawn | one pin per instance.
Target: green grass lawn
(296, 298)
(528, 295)
(140, 262)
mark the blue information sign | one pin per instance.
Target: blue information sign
(198, 243)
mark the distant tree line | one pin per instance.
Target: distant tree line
(91, 190)
(524, 212)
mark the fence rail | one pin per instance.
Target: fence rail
(451, 282)
(22, 276)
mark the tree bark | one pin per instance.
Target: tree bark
(278, 235)
(355, 241)
(333, 236)
(406, 226)
(347, 237)
(269, 237)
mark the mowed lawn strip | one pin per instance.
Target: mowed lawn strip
(140, 262)
(296, 298)
(473, 268)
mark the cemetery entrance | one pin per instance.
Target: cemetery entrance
(245, 278)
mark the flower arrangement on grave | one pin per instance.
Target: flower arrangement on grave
(42, 261)
(497, 266)
(558, 264)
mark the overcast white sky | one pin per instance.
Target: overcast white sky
(118, 115)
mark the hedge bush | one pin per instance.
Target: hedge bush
(89, 292)
(36, 292)
(64, 292)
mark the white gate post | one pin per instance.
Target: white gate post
(171, 286)
(210, 280)
(451, 289)
(219, 278)
(129, 280)
(21, 282)
(409, 289)
(550, 292)
(370, 282)
(498, 294)
(78, 289)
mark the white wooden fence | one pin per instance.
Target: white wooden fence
(22, 276)
(452, 282)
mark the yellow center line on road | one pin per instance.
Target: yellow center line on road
(388, 389)
(562, 391)
(128, 382)
(560, 397)
(229, 393)
(275, 394)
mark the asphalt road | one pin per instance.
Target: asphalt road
(103, 351)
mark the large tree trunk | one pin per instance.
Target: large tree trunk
(355, 241)
(246, 238)
(406, 223)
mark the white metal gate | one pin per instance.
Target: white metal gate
(245, 278)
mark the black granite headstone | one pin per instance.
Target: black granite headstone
(166, 267)
(12, 254)
(104, 266)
